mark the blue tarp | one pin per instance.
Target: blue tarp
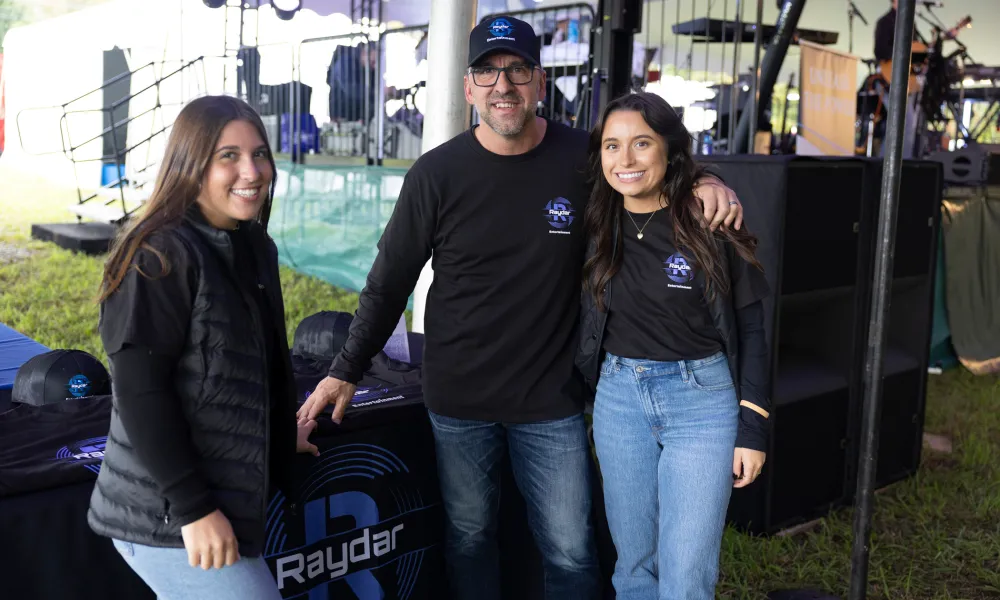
(15, 350)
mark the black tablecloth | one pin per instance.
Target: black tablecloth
(373, 491)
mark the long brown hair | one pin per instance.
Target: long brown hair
(189, 149)
(691, 236)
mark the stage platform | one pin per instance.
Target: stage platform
(88, 238)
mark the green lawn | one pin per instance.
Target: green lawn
(50, 296)
(936, 536)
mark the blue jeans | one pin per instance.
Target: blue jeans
(166, 571)
(550, 462)
(665, 434)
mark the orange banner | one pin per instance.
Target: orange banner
(828, 100)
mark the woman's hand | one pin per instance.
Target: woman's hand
(210, 542)
(746, 466)
(302, 444)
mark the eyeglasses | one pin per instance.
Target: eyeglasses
(489, 76)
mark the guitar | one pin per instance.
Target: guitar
(918, 52)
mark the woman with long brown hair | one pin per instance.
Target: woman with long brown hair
(673, 336)
(192, 319)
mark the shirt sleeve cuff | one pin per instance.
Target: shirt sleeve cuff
(754, 430)
(345, 371)
(190, 500)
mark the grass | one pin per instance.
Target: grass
(936, 536)
(50, 295)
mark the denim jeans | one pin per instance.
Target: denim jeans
(665, 434)
(550, 462)
(166, 571)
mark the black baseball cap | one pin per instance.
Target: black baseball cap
(322, 335)
(60, 375)
(505, 34)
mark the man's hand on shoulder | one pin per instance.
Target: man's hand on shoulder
(329, 391)
(720, 203)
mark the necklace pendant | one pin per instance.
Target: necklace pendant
(639, 235)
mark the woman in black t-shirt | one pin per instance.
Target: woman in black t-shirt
(675, 311)
(203, 425)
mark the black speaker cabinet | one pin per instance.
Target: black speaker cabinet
(808, 217)
(908, 331)
(815, 220)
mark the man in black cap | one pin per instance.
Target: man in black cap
(500, 209)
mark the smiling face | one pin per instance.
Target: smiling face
(633, 156)
(504, 106)
(238, 177)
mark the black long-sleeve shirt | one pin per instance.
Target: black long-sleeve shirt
(755, 376)
(885, 34)
(507, 238)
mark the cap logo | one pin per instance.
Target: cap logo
(79, 386)
(501, 29)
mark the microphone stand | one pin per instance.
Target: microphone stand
(852, 11)
(940, 24)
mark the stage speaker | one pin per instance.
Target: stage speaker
(808, 215)
(816, 222)
(978, 164)
(908, 332)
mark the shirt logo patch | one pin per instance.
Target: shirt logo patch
(679, 270)
(559, 213)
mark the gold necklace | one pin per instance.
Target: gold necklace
(639, 235)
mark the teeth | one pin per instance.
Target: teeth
(505, 105)
(245, 193)
(631, 176)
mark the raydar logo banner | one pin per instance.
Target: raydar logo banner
(367, 525)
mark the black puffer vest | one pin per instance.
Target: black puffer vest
(223, 385)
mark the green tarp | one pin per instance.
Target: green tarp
(971, 227)
(326, 221)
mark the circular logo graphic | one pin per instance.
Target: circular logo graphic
(87, 453)
(677, 269)
(501, 28)
(79, 386)
(358, 527)
(559, 213)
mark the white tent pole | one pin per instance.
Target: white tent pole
(447, 113)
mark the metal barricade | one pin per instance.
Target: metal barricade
(361, 95)
(136, 126)
(265, 78)
(405, 78)
(707, 82)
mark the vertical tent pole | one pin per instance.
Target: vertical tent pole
(879, 311)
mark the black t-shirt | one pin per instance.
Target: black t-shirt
(658, 309)
(507, 238)
(885, 34)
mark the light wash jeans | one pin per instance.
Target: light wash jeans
(166, 571)
(665, 434)
(550, 462)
